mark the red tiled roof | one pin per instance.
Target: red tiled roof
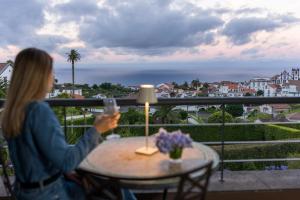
(232, 86)
(274, 86)
(294, 82)
(294, 116)
(2, 65)
(280, 106)
(248, 90)
(226, 82)
(77, 96)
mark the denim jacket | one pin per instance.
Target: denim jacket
(40, 151)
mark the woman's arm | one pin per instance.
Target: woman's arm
(49, 138)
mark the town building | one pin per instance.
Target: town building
(62, 89)
(291, 89)
(285, 77)
(6, 72)
(259, 83)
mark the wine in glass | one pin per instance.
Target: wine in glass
(111, 108)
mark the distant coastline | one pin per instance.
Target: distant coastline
(155, 76)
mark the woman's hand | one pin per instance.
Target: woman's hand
(104, 123)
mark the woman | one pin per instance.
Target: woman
(35, 139)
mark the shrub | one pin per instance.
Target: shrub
(276, 132)
(217, 117)
(235, 110)
(293, 164)
(235, 152)
(264, 116)
(204, 133)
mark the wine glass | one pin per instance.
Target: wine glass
(110, 108)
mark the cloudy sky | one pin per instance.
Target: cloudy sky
(212, 36)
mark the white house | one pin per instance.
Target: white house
(271, 90)
(53, 93)
(60, 89)
(5, 72)
(134, 87)
(165, 86)
(187, 94)
(273, 109)
(162, 94)
(224, 89)
(100, 96)
(291, 89)
(259, 83)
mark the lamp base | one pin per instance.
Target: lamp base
(146, 150)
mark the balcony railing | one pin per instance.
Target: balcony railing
(65, 103)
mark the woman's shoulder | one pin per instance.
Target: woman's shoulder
(38, 106)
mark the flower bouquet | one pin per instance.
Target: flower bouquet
(173, 143)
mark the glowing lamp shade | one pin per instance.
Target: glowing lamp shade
(146, 96)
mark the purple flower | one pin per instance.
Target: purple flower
(272, 167)
(168, 142)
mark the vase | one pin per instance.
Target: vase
(175, 156)
(175, 161)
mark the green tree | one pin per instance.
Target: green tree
(195, 83)
(95, 86)
(133, 116)
(72, 57)
(202, 94)
(175, 85)
(3, 88)
(106, 86)
(183, 114)
(10, 62)
(248, 94)
(166, 114)
(205, 85)
(185, 85)
(260, 93)
(63, 96)
(235, 110)
(217, 117)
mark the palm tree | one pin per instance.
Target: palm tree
(166, 114)
(195, 83)
(10, 62)
(73, 56)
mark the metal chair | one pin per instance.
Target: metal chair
(100, 188)
(5, 178)
(192, 184)
(191, 187)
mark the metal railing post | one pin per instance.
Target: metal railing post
(65, 122)
(222, 142)
(84, 116)
(187, 110)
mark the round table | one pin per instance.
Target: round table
(117, 158)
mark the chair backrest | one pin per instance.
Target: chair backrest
(5, 177)
(192, 185)
(97, 188)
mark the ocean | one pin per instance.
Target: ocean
(134, 74)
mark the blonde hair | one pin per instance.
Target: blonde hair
(29, 82)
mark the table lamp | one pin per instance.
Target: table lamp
(146, 96)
